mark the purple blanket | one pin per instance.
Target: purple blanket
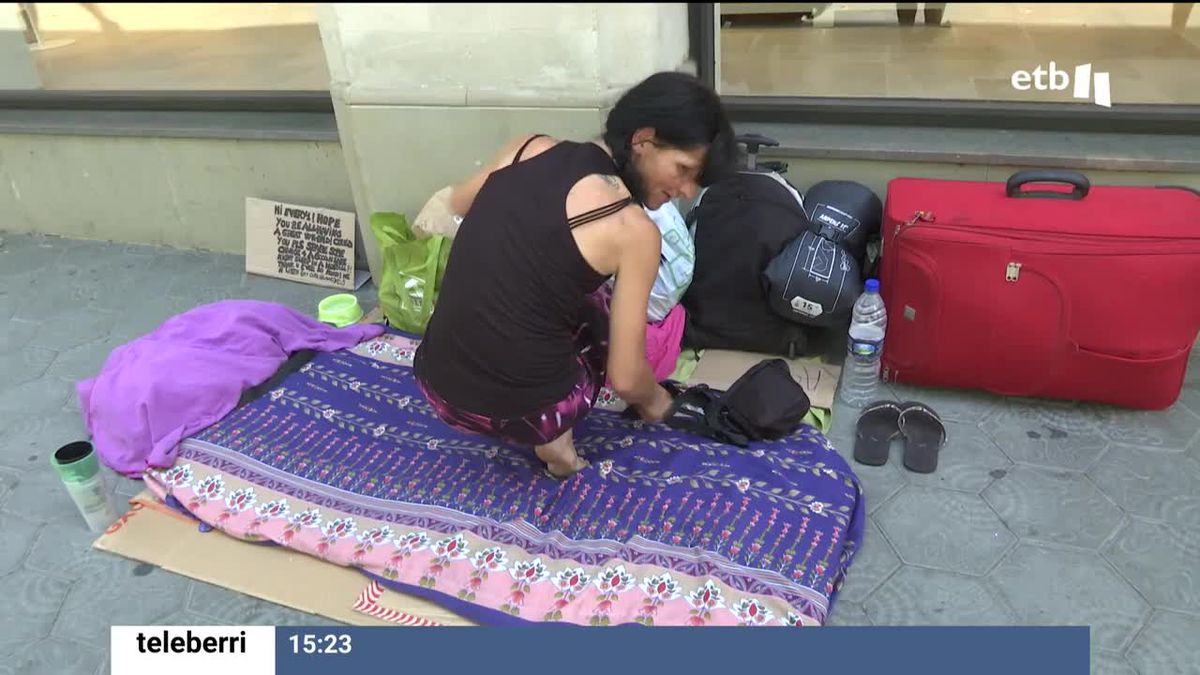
(190, 372)
(345, 460)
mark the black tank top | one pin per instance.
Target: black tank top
(500, 341)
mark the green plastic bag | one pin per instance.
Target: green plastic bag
(413, 268)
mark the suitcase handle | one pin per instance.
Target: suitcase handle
(1076, 180)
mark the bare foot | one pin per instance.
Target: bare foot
(562, 461)
(563, 472)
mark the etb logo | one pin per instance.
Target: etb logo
(1058, 80)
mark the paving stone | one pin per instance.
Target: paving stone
(15, 333)
(921, 597)
(1047, 433)
(880, 484)
(1053, 506)
(186, 618)
(16, 535)
(9, 480)
(31, 601)
(63, 549)
(1162, 561)
(947, 530)
(171, 264)
(147, 316)
(83, 362)
(109, 587)
(1169, 430)
(144, 251)
(25, 365)
(41, 497)
(94, 255)
(1151, 484)
(10, 299)
(31, 259)
(38, 397)
(258, 287)
(58, 657)
(212, 291)
(98, 289)
(1168, 645)
(873, 564)
(1190, 398)
(1110, 663)
(79, 327)
(847, 614)
(28, 440)
(969, 461)
(951, 405)
(124, 487)
(227, 266)
(1048, 587)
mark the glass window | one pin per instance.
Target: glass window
(176, 46)
(1062, 52)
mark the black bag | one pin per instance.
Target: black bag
(739, 225)
(765, 403)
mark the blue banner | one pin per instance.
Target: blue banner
(723, 651)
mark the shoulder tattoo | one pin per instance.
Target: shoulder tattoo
(614, 183)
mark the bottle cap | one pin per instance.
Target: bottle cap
(872, 285)
(75, 462)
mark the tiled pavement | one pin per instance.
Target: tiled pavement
(1040, 512)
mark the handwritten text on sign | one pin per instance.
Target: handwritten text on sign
(300, 243)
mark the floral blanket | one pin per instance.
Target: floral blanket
(344, 460)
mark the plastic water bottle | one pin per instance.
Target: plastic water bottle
(860, 374)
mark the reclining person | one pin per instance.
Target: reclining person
(525, 329)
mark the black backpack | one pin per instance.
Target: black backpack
(739, 225)
(765, 403)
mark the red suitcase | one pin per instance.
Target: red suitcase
(1044, 286)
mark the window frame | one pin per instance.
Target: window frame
(183, 100)
(954, 113)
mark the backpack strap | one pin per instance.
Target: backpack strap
(700, 410)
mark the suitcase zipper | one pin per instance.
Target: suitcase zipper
(1168, 246)
(1022, 234)
(922, 216)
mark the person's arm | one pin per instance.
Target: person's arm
(462, 195)
(630, 372)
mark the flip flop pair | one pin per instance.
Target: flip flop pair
(882, 421)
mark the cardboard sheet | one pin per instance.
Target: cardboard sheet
(151, 533)
(720, 368)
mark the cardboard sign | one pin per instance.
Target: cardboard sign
(300, 243)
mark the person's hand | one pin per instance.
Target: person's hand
(656, 410)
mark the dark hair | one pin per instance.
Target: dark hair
(684, 112)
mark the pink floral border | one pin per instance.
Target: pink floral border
(467, 567)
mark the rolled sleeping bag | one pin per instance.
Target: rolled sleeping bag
(845, 213)
(813, 282)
